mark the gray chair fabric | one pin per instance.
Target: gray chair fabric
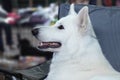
(106, 23)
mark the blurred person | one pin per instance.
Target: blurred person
(79, 1)
(109, 2)
(117, 2)
(8, 32)
(82, 1)
(99, 2)
(92, 2)
(5, 25)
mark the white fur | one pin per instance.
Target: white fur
(80, 56)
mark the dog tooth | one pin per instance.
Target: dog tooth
(41, 44)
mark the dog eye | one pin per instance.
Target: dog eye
(61, 27)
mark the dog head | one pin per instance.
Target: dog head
(67, 32)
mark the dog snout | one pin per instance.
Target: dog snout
(35, 31)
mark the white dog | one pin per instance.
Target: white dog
(77, 54)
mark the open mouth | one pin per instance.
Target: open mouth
(44, 45)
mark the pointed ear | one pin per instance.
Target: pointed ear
(72, 11)
(83, 17)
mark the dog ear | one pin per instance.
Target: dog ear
(72, 11)
(83, 17)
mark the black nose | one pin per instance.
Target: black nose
(35, 31)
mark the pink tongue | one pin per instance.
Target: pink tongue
(49, 45)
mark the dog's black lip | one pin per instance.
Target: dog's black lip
(49, 45)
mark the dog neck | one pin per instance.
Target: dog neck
(87, 54)
(86, 60)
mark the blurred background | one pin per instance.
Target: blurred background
(17, 18)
